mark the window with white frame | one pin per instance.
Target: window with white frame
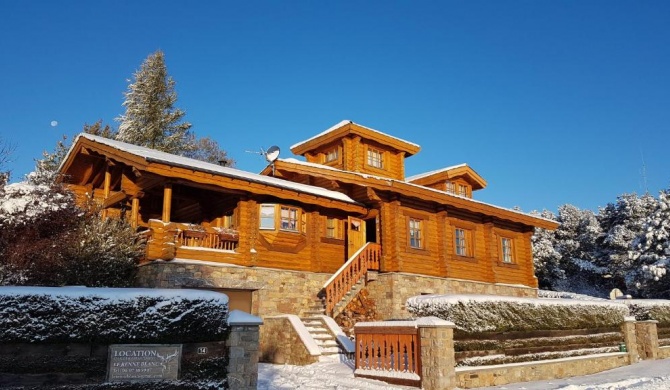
(462, 190)
(451, 187)
(375, 158)
(415, 235)
(507, 250)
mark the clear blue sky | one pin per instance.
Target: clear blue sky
(552, 102)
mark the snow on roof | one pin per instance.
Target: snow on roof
(391, 181)
(185, 162)
(425, 174)
(346, 122)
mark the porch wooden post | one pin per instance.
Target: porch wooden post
(134, 212)
(167, 202)
(106, 190)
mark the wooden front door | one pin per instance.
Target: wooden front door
(355, 235)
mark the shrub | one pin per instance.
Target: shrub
(650, 309)
(104, 316)
(484, 313)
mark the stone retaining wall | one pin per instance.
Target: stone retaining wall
(274, 291)
(467, 377)
(391, 291)
(281, 343)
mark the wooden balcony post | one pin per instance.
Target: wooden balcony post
(134, 212)
(106, 190)
(167, 202)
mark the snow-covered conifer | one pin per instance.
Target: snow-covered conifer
(650, 253)
(151, 119)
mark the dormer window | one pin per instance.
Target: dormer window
(462, 190)
(451, 187)
(375, 158)
(331, 155)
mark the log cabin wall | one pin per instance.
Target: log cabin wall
(480, 257)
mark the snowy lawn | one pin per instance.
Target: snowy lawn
(336, 375)
(328, 374)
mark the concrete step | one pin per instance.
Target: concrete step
(330, 351)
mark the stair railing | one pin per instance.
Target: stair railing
(365, 259)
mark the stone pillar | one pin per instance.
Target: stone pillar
(437, 354)
(647, 339)
(243, 350)
(630, 338)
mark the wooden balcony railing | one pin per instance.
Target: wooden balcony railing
(365, 259)
(207, 238)
(390, 351)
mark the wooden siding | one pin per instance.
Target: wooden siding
(438, 257)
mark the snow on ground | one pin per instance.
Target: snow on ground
(336, 375)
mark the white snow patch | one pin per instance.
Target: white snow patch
(344, 123)
(342, 339)
(430, 173)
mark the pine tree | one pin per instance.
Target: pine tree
(621, 222)
(207, 149)
(651, 253)
(97, 129)
(151, 120)
(546, 258)
(46, 169)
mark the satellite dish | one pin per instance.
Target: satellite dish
(272, 154)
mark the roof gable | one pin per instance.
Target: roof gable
(150, 155)
(347, 127)
(452, 172)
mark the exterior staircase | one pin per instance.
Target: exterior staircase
(336, 294)
(313, 321)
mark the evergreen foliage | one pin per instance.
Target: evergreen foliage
(97, 129)
(151, 119)
(625, 246)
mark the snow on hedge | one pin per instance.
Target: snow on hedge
(111, 315)
(487, 313)
(650, 309)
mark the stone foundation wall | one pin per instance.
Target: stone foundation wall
(391, 291)
(664, 352)
(275, 291)
(467, 378)
(281, 344)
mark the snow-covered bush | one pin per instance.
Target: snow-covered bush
(485, 313)
(650, 309)
(91, 315)
(45, 239)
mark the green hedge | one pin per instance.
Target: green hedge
(483, 313)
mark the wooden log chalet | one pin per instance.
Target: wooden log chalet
(318, 230)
